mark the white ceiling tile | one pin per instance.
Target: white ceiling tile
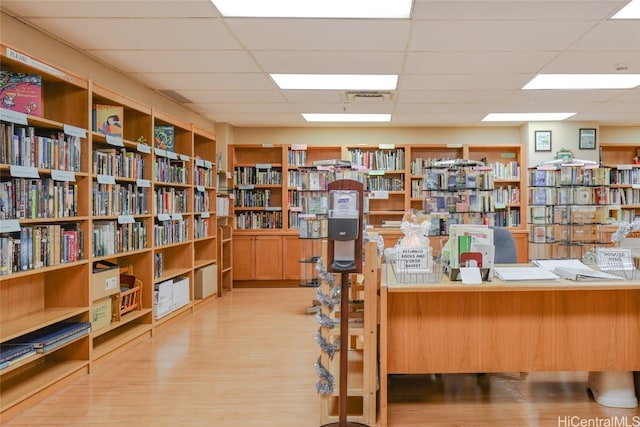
(207, 81)
(111, 9)
(172, 61)
(142, 33)
(513, 10)
(463, 82)
(233, 96)
(477, 62)
(613, 35)
(321, 34)
(449, 97)
(594, 62)
(516, 36)
(325, 62)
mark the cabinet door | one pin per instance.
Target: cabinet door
(268, 257)
(292, 254)
(243, 257)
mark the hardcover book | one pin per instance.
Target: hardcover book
(108, 119)
(21, 92)
(164, 137)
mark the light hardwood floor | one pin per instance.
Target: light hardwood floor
(247, 360)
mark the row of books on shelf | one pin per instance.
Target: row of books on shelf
(37, 198)
(458, 203)
(38, 246)
(201, 227)
(625, 196)
(203, 177)
(110, 238)
(379, 159)
(22, 146)
(458, 179)
(570, 175)
(222, 206)
(249, 175)
(509, 170)
(509, 195)
(570, 214)
(297, 157)
(118, 162)
(170, 170)
(167, 200)
(384, 183)
(118, 199)
(252, 198)
(417, 165)
(258, 220)
(569, 233)
(569, 196)
(170, 232)
(310, 180)
(201, 202)
(43, 340)
(626, 175)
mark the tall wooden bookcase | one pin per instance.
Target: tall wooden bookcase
(108, 203)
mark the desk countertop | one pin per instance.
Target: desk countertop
(390, 282)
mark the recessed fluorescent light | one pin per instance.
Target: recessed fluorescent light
(584, 81)
(312, 117)
(337, 81)
(526, 117)
(315, 8)
(630, 11)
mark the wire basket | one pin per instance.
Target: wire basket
(403, 275)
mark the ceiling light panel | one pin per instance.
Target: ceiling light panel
(630, 11)
(312, 117)
(388, 9)
(583, 81)
(526, 117)
(336, 81)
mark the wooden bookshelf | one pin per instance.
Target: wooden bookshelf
(49, 285)
(111, 183)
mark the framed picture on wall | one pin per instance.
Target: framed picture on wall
(543, 140)
(587, 139)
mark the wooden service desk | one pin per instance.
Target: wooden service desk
(523, 326)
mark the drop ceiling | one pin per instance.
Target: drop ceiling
(457, 60)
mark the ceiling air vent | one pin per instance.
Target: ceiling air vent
(368, 96)
(176, 96)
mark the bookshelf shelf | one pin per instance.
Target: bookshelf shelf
(107, 341)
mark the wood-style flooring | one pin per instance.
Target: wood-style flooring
(247, 360)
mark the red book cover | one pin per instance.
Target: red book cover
(21, 92)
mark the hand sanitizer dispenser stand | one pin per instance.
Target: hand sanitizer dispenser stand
(344, 254)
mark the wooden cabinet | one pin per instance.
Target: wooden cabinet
(294, 254)
(257, 257)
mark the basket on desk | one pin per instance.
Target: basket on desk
(130, 296)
